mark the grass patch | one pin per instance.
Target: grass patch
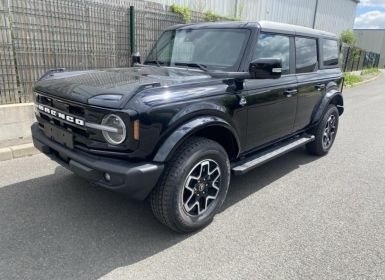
(370, 71)
(351, 79)
(183, 11)
(210, 16)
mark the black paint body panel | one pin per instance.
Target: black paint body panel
(174, 102)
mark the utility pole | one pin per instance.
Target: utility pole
(132, 30)
(315, 13)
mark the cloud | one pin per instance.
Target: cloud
(372, 3)
(372, 20)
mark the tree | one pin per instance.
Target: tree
(347, 36)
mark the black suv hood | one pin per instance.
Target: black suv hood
(114, 87)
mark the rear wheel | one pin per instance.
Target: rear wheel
(325, 132)
(193, 187)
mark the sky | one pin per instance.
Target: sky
(370, 14)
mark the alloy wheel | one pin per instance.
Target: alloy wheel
(329, 132)
(201, 187)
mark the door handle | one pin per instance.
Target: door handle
(290, 92)
(320, 87)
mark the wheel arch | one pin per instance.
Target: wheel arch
(339, 102)
(210, 127)
(332, 97)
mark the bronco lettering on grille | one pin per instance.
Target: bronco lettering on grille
(61, 115)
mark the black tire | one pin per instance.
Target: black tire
(171, 198)
(322, 144)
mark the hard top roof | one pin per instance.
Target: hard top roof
(267, 26)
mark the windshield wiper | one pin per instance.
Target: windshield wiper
(197, 65)
(157, 62)
(213, 73)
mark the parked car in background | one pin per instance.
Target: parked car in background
(210, 100)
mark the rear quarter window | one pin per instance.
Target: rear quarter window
(330, 52)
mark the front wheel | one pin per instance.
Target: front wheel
(193, 187)
(325, 132)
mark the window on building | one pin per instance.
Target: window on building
(306, 55)
(274, 46)
(330, 52)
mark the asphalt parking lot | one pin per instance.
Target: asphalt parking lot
(297, 217)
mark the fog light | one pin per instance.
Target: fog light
(107, 176)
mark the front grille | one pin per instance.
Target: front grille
(83, 136)
(64, 106)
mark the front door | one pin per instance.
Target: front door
(271, 103)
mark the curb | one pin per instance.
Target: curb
(18, 151)
(366, 81)
(16, 105)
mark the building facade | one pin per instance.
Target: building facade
(328, 15)
(372, 40)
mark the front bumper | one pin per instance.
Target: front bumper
(136, 179)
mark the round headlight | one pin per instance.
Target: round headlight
(115, 132)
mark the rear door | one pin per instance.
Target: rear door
(311, 86)
(271, 103)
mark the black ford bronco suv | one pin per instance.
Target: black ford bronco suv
(211, 99)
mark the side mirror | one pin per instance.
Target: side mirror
(266, 68)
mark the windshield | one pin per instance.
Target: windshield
(216, 49)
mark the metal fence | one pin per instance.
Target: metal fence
(8, 82)
(353, 58)
(37, 35)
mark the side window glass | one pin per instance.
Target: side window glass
(274, 46)
(306, 58)
(330, 52)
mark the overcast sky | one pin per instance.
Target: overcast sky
(370, 14)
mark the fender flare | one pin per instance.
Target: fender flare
(187, 129)
(326, 100)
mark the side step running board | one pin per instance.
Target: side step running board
(260, 158)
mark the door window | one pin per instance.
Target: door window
(274, 46)
(306, 58)
(330, 52)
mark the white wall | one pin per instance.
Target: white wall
(372, 40)
(336, 15)
(16, 121)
